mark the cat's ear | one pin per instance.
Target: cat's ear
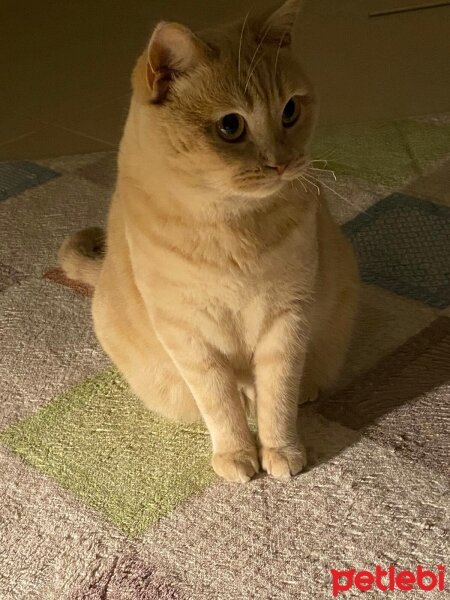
(279, 23)
(173, 50)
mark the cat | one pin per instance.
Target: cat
(222, 284)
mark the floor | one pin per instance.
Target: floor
(65, 66)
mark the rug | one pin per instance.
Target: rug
(101, 500)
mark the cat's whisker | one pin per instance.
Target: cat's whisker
(352, 204)
(278, 52)
(328, 171)
(240, 46)
(303, 185)
(325, 159)
(331, 153)
(324, 163)
(300, 180)
(253, 70)
(283, 197)
(303, 176)
(254, 56)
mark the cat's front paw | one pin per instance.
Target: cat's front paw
(237, 466)
(284, 462)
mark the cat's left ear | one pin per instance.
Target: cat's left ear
(278, 25)
(173, 50)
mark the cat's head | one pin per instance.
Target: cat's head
(230, 107)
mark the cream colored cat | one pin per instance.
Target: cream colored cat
(223, 282)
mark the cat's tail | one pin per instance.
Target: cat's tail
(81, 255)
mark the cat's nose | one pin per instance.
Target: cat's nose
(280, 167)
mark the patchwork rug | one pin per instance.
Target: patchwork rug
(101, 500)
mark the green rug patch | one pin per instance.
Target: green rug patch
(428, 142)
(100, 443)
(383, 152)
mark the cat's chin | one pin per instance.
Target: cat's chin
(259, 192)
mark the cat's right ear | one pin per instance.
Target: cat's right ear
(278, 25)
(173, 50)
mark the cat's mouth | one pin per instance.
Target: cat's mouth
(270, 180)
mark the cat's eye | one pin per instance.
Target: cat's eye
(231, 127)
(291, 111)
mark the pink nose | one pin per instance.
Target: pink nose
(280, 168)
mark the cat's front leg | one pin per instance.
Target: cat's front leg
(214, 386)
(279, 359)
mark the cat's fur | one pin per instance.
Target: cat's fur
(222, 283)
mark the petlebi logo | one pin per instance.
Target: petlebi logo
(388, 580)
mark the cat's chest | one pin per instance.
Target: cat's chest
(259, 246)
(243, 298)
(226, 263)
